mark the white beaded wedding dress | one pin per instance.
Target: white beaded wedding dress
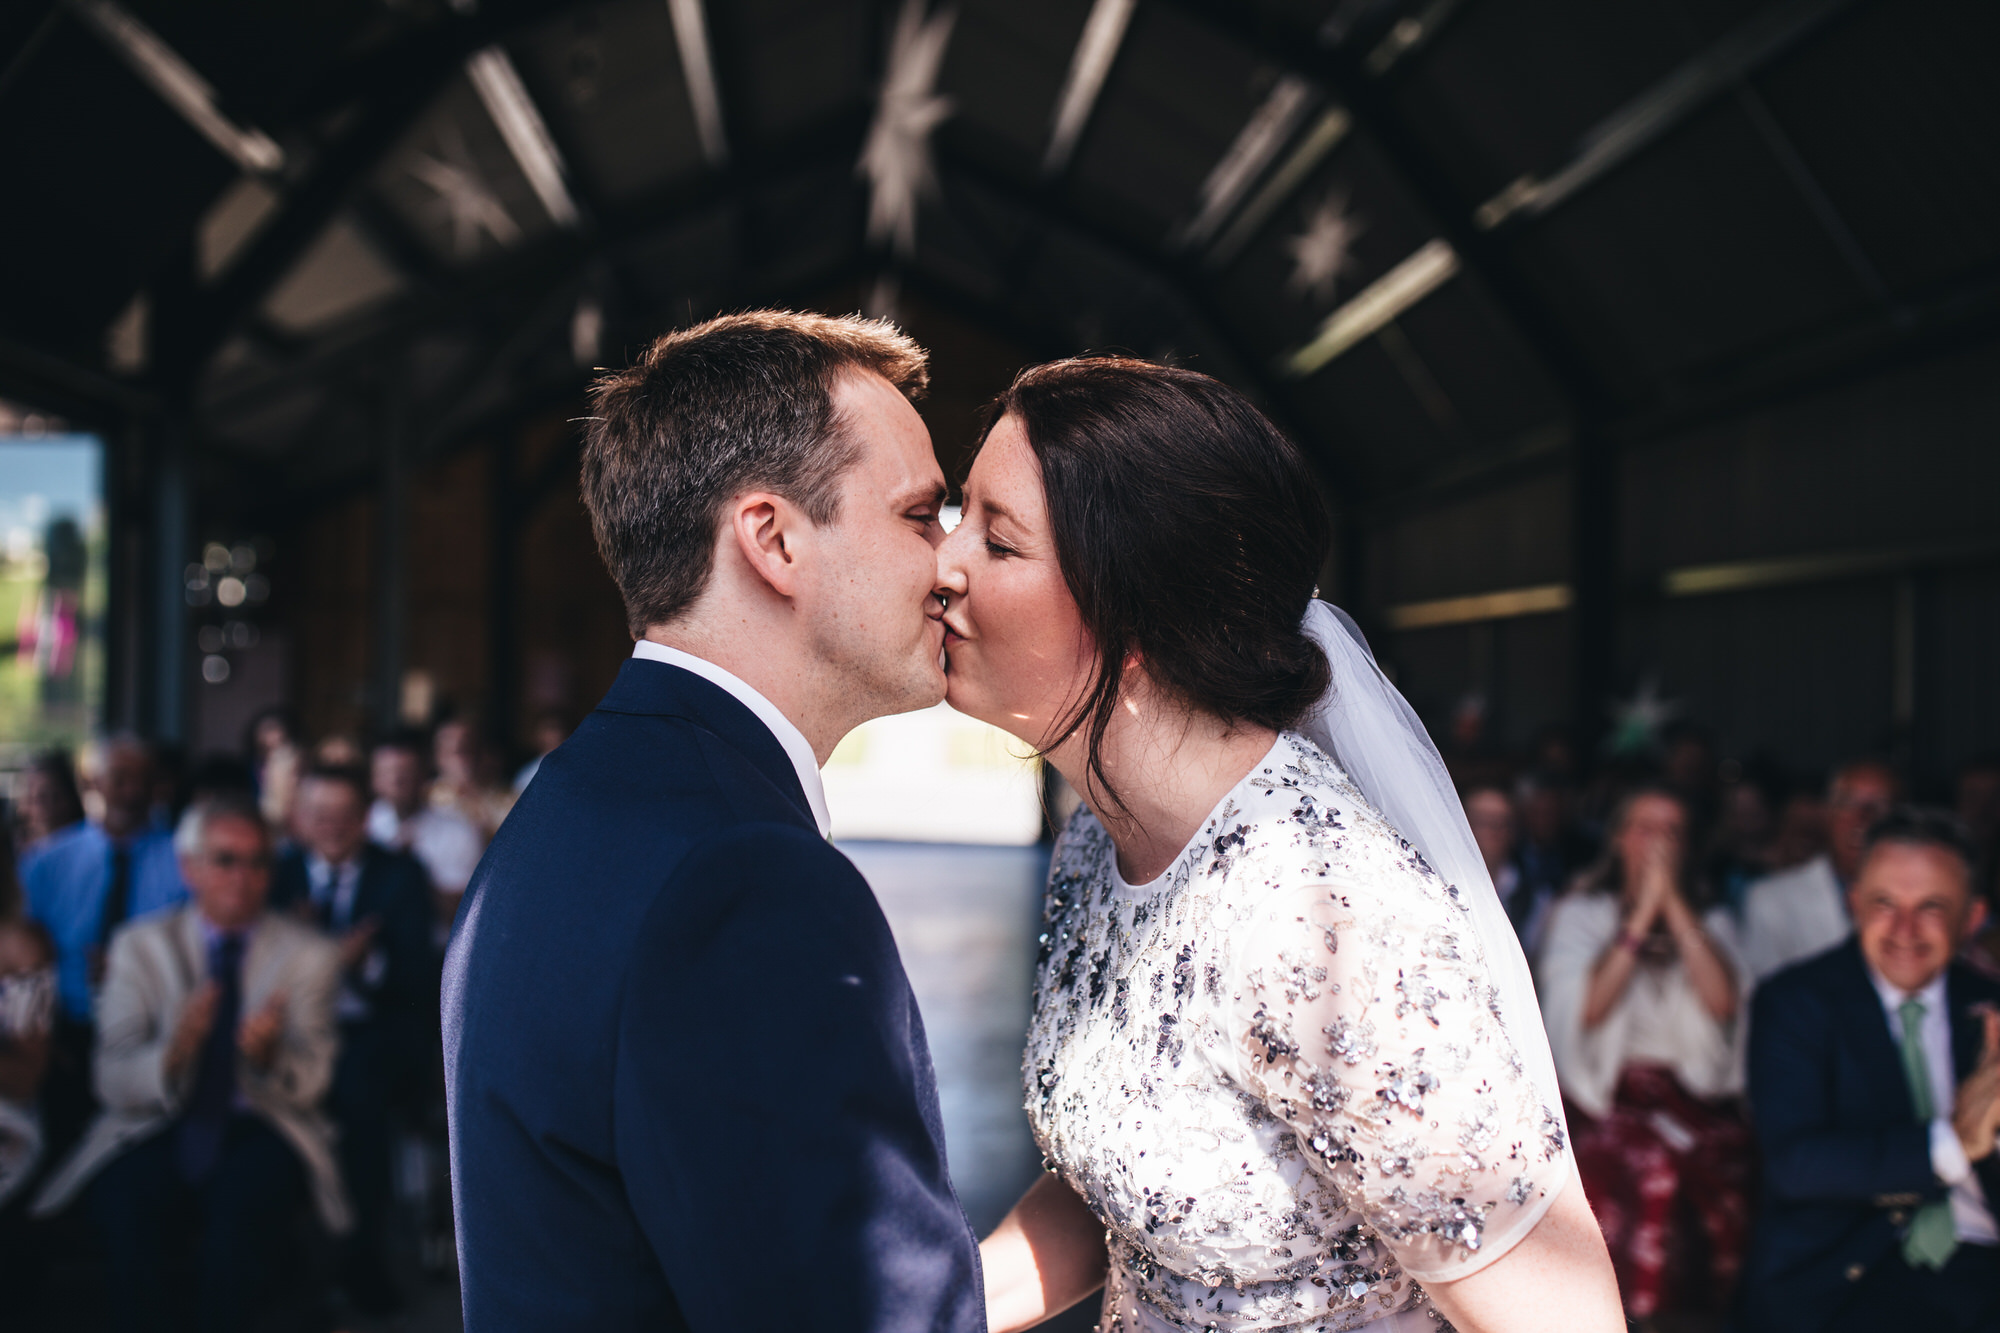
(1289, 1073)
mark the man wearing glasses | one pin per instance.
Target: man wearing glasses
(1800, 912)
(216, 1045)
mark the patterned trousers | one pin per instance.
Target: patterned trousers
(1668, 1176)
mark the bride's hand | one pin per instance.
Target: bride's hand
(1045, 1256)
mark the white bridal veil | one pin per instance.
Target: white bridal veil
(1371, 731)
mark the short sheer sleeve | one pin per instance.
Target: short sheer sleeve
(1362, 1017)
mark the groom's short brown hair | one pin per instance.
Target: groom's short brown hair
(743, 402)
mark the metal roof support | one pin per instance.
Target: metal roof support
(1594, 540)
(163, 70)
(520, 123)
(1089, 66)
(1823, 210)
(1269, 126)
(532, 271)
(698, 71)
(189, 331)
(1648, 117)
(1325, 136)
(1409, 35)
(1426, 269)
(1182, 280)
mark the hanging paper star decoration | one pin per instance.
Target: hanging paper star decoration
(467, 203)
(896, 160)
(1636, 722)
(1325, 249)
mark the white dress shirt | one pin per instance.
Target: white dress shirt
(445, 841)
(1793, 915)
(796, 748)
(1970, 1216)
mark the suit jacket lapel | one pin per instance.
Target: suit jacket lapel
(656, 689)
(190, 950)
(1861, 1012)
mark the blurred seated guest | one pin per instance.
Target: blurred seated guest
(1976, 797)
(1640, 999)
(82, 883)
(270, 731)
(1551, 851)
(1689, 769)
(1554, 754)
(446, 843)
(216, 1047)
(46, 801)
(1739, 844)
(27, 1017)
(27, 1012)
(1976, 793)
(376, 904)
(468, 779)
(339, 750)
(1490, 812)
(271, 748)
(1875, 1078)
(1801, 830)
(551, 729)
(1800, 912)
(1977, 801)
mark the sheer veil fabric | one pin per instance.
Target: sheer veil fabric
(1369, 729)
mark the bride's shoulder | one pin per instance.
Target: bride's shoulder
(1302, 826)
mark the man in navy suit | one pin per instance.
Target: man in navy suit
(376, 903)
(1875, 1084)
(687, 1080)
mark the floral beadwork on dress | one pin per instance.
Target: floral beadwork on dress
(1278, 1072)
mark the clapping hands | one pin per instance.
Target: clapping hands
(257, 1038)
(1976, 1114)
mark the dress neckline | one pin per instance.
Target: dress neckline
(1171, 876)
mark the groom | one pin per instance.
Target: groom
(687, 1080)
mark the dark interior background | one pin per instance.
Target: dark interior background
(1720, 421)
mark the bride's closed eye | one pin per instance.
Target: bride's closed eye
(998, 551)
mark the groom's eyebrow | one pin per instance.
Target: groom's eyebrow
(932, 495)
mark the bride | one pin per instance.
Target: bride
(1285, 1064)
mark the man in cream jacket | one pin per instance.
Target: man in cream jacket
(216, 1042)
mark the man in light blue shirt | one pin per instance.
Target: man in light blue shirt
(85, 881)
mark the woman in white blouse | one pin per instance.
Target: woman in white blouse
(1639, 992)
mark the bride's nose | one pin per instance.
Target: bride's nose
(950, 572)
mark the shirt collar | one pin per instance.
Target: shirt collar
(213, 935)
(1931, 997)
(796, 748)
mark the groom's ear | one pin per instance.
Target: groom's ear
(768, 529)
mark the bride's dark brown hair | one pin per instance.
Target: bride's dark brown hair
(1190, 533)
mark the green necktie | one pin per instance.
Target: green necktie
(1932, 1238)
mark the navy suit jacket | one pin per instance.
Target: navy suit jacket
(396, 894)
(687, 1081)
(1846, 1161)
